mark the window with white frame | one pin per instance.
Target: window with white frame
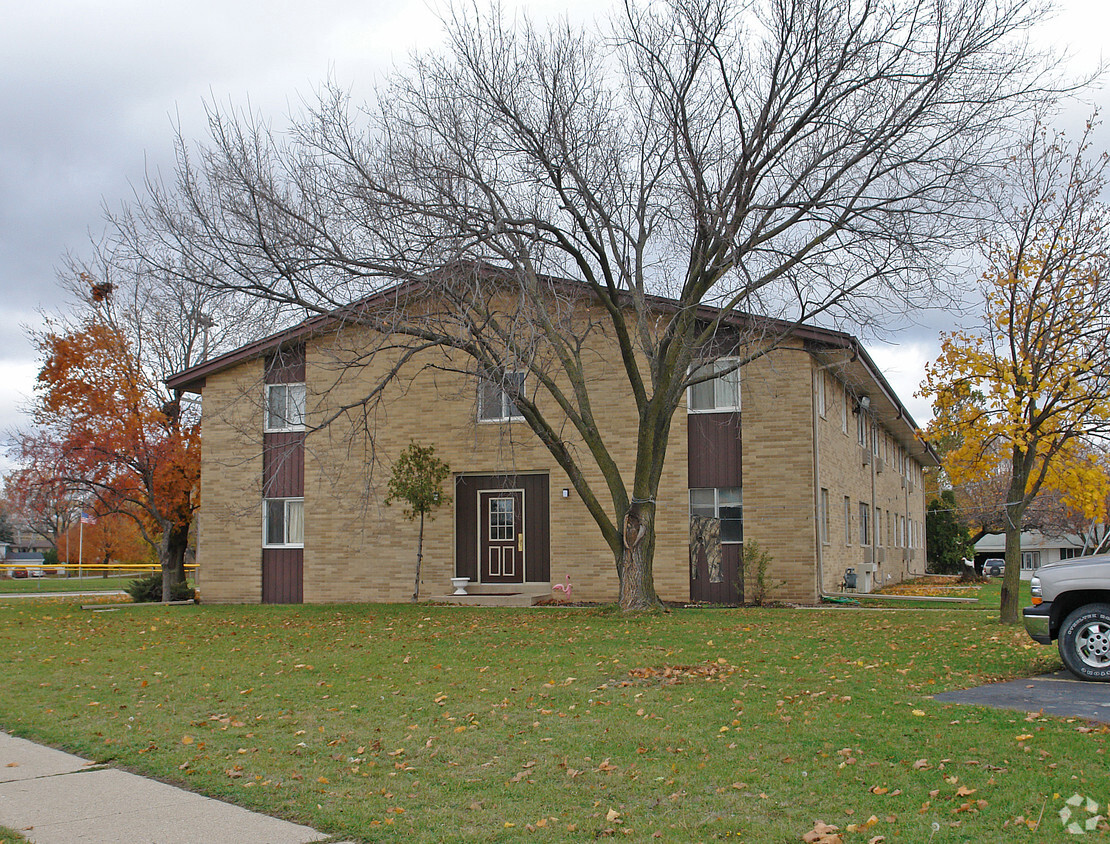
(724, 503)
(864, 523)
(844, 410)
(283, 523)
(821, 409)
(718, 392)
(847, 520)
(878, 525)
(495, 399)
(285, 407)
(826, 524)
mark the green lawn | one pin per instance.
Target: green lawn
(64, 584)
(987, 597)
(404, 723)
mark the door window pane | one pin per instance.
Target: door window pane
(502, 519)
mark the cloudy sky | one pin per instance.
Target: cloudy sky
(90, 93)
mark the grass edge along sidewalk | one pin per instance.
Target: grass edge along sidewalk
(420, 723)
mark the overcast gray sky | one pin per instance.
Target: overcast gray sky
(90, 91)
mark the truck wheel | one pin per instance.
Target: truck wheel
(1085, 642)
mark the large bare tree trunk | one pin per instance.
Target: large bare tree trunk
(637, 585)
(175, 540)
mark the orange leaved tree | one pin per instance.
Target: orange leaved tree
(108, 432)
(1025, 394)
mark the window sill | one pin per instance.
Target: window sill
(691, 412)
(283, 430)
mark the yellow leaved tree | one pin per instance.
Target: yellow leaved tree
(1024, 394)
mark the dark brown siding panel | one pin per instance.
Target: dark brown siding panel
(730, 590)
(537, 533)
(283, 464)
(714, 450)
(286, 366)
(466, 527)
(282, 575)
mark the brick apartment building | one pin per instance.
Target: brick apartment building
(806, 450)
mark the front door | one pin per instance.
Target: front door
(501, 549)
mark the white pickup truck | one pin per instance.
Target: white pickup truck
(1071, 604)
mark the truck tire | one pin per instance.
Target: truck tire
(1084, 642)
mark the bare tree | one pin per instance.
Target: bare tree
(511, 198)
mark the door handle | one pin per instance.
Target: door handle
(520, 542)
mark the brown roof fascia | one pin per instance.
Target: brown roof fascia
(192, 379)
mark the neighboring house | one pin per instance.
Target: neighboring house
(807, 450)
(23, 563)
(26, 540)
(1036, 549)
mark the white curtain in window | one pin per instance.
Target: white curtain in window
(294, 522)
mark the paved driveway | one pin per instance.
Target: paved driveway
(1061, 694)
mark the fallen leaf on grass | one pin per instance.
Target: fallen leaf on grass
(823, 833)
(862, 827)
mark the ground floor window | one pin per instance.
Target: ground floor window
(826, 526)
(724, 503)
(1070, 553)
(283, 522)
(1030, 560)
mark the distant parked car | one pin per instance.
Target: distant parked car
(1071, 604)
(994, 567)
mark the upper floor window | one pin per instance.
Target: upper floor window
(716, 393)
(495, 402)
(285, 407)
(821, 397)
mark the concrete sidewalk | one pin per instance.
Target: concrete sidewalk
(52, 797)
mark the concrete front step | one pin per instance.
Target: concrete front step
(500, 599)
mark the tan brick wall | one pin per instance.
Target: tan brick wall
(777, 419)
(844, 473)
(357, 549)
(229, 548)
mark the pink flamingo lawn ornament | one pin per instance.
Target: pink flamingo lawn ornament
(564, 588)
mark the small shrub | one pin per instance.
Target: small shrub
(149, 589)
(757, 585)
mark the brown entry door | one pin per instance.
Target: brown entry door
(501, 535)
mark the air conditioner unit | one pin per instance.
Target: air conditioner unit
(904, 482)
(868, 556)
(880, 555)
(909, 485)
(866, 456)
(880, 465)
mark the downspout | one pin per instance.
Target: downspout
(817, 523)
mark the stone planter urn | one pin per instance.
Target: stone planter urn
(460, 584)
